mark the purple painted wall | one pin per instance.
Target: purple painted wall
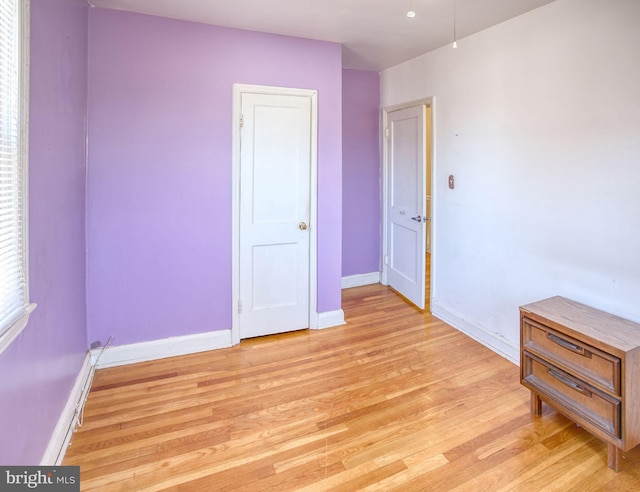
(360, 172)
(39, 368)
(159, 176)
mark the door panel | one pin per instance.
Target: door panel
(273, 270)
(406, 203)
(403, 265)
(275, 167)
(404, 163)
(276, 163)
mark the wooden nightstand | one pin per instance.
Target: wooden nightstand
(586, 364)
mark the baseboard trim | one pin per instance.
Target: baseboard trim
(330, 319)
(492, 341)
(360, 280)
(64, 429)
(160, 349)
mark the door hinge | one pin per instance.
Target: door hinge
(386, 132)
(241, 120)
(386, 260)
(239, 305)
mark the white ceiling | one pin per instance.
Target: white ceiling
(375, 34)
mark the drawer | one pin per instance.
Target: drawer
(587, 362)
(573, 394)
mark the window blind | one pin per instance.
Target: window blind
(13, 272)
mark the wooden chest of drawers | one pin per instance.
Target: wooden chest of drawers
(586, 364)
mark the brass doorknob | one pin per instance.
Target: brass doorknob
(302, 226)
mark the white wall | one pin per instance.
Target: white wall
(538, 118)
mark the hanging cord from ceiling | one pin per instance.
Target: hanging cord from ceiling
(455, 37)
(411, 13)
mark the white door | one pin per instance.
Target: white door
(275, 168)
(406, 213)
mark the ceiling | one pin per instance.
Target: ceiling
(375, 34)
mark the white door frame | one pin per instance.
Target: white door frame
(431, 102)
(238, 90)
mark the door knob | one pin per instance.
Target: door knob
(417, 218)
(302, 226)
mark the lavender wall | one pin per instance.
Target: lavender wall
(159, 176)
(39, 368)
(360, 172)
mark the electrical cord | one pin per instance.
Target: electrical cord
(79, 413)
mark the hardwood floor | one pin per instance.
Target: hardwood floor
(396, 400)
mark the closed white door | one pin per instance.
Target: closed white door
(275, 167)
(406, 209)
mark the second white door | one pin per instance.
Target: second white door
(406, 208)
(275, 167)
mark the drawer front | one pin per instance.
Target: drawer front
(587, 362)
(583, 400)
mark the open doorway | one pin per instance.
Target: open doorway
(408, 245)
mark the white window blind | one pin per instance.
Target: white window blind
(14, 291)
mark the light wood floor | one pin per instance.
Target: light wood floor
(394, 401)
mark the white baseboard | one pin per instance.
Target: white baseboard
(330, 319)
(360, 279)
(65, 427)
(497, 343)
(159, 349)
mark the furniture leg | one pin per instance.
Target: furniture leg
(536, 404)
(614, 457)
